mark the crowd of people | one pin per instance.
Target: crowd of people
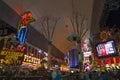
(113, 74)
(56, 74)
(104, 75)
(97, 75)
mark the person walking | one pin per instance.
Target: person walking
(87, 75)
(103, 76)
(59, 75)
(53, 74)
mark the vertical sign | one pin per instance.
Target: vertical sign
(27, 18)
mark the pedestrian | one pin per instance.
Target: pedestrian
(103, 76)
(53, 74)
(59, 75)
(87, 75)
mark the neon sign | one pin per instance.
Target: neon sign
(31, 59)
(10, 57)
(22, 35)
(27, 18)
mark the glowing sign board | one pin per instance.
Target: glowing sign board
(10, 57)
(27, 18)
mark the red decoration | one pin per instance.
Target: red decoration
(92, 55)
(20, 48)
(99, 62)
(24, 18)
(108, 61)
(27, 18)
(117, 60)
(112, 61)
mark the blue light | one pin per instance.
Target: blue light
(74, 60)
(22, 35)
(65, 57)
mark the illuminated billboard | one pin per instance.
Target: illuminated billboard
(11, 57)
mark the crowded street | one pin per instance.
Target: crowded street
(59, 39)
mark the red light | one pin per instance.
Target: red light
(26, 19)
(29, 14)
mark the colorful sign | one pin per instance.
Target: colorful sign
(22, 35)
(10, 57)
(109, 61)
(27, 18)
(31, 59)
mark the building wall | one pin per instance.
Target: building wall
(57, 53)
(36, 39)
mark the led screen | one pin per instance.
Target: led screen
(106, 48)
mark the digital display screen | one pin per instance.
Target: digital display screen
(106, 48)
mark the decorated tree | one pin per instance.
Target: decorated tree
(80, 29)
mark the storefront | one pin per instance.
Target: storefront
(10, 52)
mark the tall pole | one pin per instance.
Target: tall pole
(49, 55)
(48, 26)
(79, 29)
